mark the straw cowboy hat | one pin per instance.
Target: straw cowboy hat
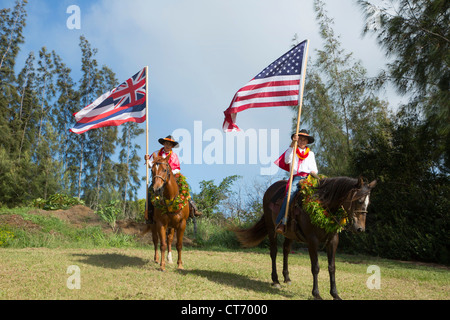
(170, 139)
(305, 133)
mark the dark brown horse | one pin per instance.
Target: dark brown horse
(165, 185)
(334, 193)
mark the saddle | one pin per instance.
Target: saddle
(292, 229)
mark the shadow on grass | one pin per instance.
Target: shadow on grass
(111, 260)
(238, 281)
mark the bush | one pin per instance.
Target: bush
(5, 236)
(211, 232)
(57, 202)
(110, 212)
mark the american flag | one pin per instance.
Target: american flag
(278, 85)
(125, 103)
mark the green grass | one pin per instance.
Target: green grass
(41, 273)
(34, 265)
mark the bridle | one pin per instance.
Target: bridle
(351, 198)
(167, 174)
(165, 179)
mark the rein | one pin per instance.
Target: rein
(353, 198)
(167, 174)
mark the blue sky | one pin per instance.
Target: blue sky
(199, 53)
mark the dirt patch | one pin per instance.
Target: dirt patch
(79, 216)
(16, 221)
(130, 227)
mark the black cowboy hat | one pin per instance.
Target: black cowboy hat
(305, 133)
(170, 139)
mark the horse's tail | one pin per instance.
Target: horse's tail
(252, 236)
(146, 230)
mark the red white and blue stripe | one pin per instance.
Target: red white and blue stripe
(278, 85)
(123, 104)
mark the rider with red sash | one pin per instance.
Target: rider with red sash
(166, 151)
(304, 163)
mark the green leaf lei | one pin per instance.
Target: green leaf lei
(176, 204)
(317, 213)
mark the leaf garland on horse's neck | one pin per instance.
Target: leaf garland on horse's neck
(178, 203)
(320, 216)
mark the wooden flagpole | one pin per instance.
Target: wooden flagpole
(146, 134)
(305, 61)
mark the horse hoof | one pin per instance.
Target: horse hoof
(180, 268)
(288, 282)
(162, 269)
(276, 285)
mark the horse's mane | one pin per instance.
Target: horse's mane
(333, 191)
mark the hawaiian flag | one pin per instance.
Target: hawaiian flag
(278, 85)
(123, 104)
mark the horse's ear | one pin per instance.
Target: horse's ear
(360, 183)
(372, 184)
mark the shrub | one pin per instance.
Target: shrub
(57, 202)
(5, 236)
(110, 212)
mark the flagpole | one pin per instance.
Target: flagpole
(146, 143)
(305, 61)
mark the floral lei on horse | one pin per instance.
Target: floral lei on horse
(175, 205)
(330, 222)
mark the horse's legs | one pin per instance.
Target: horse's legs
(313, 245)
(273, 256)
(169, 244)
(331, 253)
(180, 233)
(155, 243)
(163, 247)
(286, 250)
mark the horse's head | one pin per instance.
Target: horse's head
(161, 172)
(356, 205)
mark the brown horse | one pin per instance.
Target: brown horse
(334, 193)
(165, 185)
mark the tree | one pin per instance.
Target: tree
(24, 123)
(338, 107)
(211, 195)
(410, 211)
(416, 34)
(101, 145)
(46, 92)
(246, 203)
(129, 160)
(79, 159)
(66, 105)
(11, 36)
